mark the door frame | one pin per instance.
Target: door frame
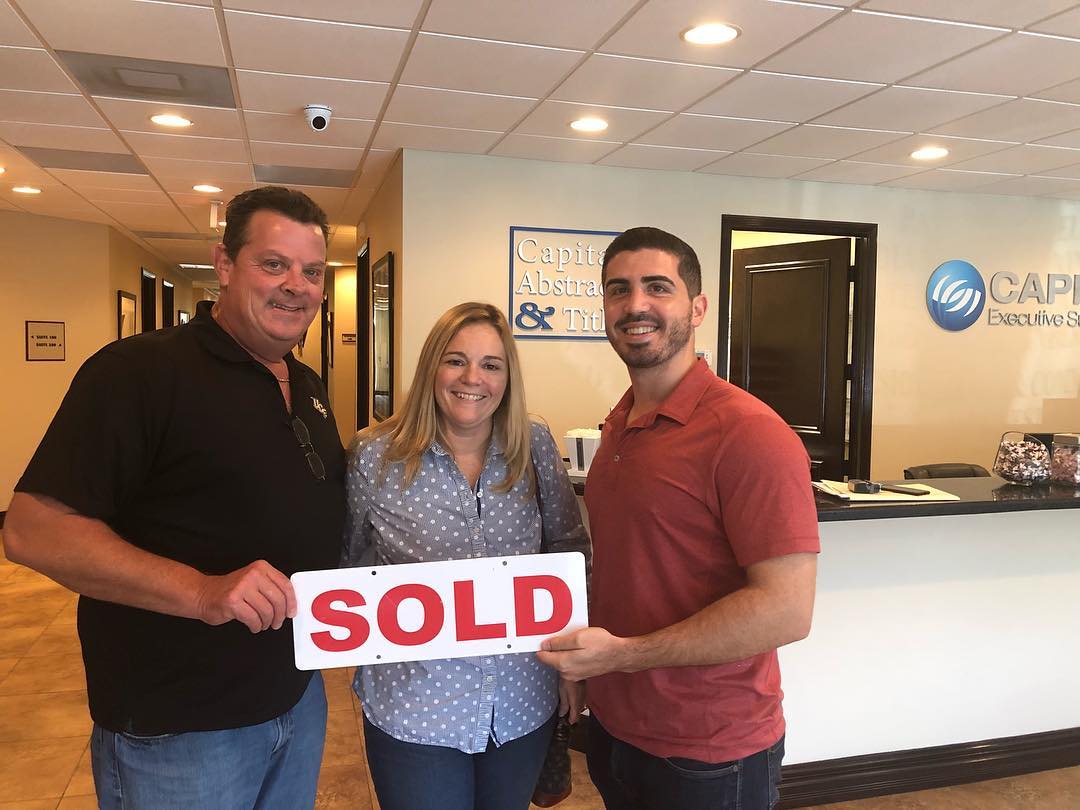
(363, 335)
(862, 327)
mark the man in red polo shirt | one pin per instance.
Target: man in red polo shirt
(705, 541)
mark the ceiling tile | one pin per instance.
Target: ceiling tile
(51, 196)
(711, 132)
(562, 23)
(455, 108)
(282, 128)
(1022, 120)
(876, 48)
(1022, 160)
(1016, 65)
(54, 136)
(1065, 24)
(748, 164)
(47, 108)
(80, 179)
(200, 171)
(766, 27)
(487, 67)
(553, 118)
(13, 30)
(438, 139)
(538, 147)
(19, 171)
(945, 180)
(147, 31)
(134, 116)
(143, 217)
(319, 157)
(1066, 171)
(898, 153)
(1007, 13)
(1031, 186)
(1068, 91)
(112, 162)
(123, 195)
(909, 108)
(671, 158)
(283, 175)
(1071, 139)
(642, 83)
(808, 140)
(148, 144)
(281, 93)
(181, 191)
(32, 69)
(346, 51)
(850, 171)
(394, 13)
(781, 98)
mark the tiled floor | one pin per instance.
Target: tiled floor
(44, 727)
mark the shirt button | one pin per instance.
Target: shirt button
(616, 457)
(489, 678)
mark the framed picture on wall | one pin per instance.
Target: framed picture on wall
(125, 314)
(382, 337)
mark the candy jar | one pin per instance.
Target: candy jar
(1022, 458)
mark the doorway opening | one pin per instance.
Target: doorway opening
(149, 301)
(167, 303)
(796, 329)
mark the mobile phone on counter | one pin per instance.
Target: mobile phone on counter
(904, 490)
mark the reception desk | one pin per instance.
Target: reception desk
(945, 645)
(938, 624)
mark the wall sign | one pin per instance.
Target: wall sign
(44, 340)
(956, 297)
(449, 609)
(555, 291)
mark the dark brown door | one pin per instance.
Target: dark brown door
(789, 340)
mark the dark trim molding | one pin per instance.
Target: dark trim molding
(862, 347)
(2, 516)
(837, 780)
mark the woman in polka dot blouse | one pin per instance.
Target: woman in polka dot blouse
(460, 471)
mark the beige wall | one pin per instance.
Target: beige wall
(938, 396)
(343, 392)
(58, 270)
(125, 262)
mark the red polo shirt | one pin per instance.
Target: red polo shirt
(680, 503)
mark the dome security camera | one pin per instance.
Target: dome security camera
(318, 116)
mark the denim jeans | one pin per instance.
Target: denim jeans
(269, 766)
(412, 776)
(631, 779)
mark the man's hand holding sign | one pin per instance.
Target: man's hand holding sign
(423, 611)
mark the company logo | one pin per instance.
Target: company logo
(955, 295)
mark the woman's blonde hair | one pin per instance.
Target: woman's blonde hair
(415, 425)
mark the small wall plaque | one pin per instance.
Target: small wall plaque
(44, 340)
(348, 337)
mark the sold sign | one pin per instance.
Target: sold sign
(451, 609)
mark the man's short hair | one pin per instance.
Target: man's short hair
(285, 201)
(644, 238)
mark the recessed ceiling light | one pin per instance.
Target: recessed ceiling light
(27, 190)
(930, 153)
(2, 170)
(710, 34)
(206, 188)
(196, 267)
(589, 125)
(335, 264)
(170, 120)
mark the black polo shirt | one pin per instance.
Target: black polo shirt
(181, 442)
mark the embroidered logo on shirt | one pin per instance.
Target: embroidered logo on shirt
(318, 406)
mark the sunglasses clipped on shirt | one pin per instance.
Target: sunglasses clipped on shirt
(315, 464)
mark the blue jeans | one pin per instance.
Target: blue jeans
(412, 776)
(269, 766)
(631, 779)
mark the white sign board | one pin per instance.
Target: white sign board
(450, 609)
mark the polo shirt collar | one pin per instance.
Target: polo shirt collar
(680, 403)
(220, 343)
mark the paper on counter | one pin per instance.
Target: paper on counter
(838, 489)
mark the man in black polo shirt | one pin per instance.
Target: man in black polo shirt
(186, 475)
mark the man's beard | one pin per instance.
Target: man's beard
(677, 333)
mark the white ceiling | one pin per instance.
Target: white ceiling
(837, 91)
